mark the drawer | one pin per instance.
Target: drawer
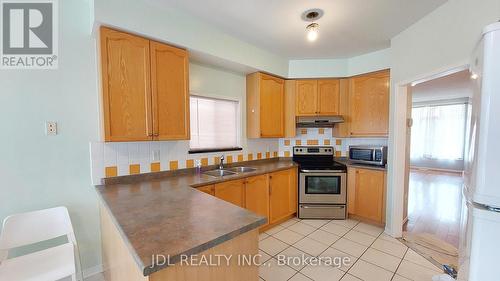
(309, 211)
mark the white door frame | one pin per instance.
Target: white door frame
(397, 144)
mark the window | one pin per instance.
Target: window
(438, 132)
(214, 124)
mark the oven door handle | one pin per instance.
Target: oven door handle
(322, 207)
(322, 171)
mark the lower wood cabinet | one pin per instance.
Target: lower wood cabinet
(210, 189)
(232, 192)
(283, 194)
(257, 195)
(366, 194)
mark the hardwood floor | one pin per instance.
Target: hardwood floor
(435, 204)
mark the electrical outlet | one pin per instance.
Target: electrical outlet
(51, 128)
(155, 155)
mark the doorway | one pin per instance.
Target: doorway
(437, 129)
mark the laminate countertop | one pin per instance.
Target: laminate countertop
(347, 162)
(162, 214)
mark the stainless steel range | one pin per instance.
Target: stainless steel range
(322, 183)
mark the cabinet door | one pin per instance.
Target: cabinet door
(283, 194)
(370, 190)
(307, 97)
(125, 67)
(257, 195)
(328, 97)
(209, 189)
(232, 192)
(369, 103)
(271, 106)
(170, 92)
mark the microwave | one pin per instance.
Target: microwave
(372, 155)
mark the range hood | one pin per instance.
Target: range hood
(319, 121)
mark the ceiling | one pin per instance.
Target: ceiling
(454, 86)
(348, 27)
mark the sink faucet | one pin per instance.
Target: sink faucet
(221, 162)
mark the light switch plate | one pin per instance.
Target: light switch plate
(51, 128)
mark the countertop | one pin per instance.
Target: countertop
(347, 162)
(162, 214)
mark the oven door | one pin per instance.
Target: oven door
(322, 187)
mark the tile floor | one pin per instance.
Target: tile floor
(373, 256)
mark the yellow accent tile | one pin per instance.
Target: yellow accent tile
(111, 171)
(189, 163)
(259, 155)
(240, 158)
(312, 142)
(134, 169)
(275, 154)
(303, 131)
(250, 156)
(204, 161)
(321, 131)
(338, 153)
(229, 159)
(216, 160)
(338, 142)
(174, 165)
(298, 142)
(287, 153)
(326, 142)
(155, 167)
(287, 142)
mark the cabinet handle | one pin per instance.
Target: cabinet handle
(270, 190)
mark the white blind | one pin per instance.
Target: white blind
(214, 123)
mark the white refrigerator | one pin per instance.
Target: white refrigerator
(479, 250)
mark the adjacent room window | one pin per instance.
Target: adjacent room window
(438, 132)
(214, 124)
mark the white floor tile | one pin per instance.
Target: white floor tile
(302, 228)
(397, 250)
(416, 272)
(271, 271)
(272, 246)
(414, 257)
(263, 236)
(349, 223)
(322, 273)
(344, 260)
(399, 278)
(349, 247)
(369, 272)
(274, 230)
(381, 259)
(289, 222)
(369, 229)
(335, 228)
(310, 246)
(299, 277)
(349, 277)
(359, 237)
(315, 223)
(324, 237)
(263, 256)
(295, 257)
(288, 236)
(388, 238)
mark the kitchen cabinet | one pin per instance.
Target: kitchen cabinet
(369, 105)
(318, 97)
(231, 191)
(366, 194)
(257, 195)
(265, 106)
(145, 88)
(283, 194)
(209, 189)
(343, 130)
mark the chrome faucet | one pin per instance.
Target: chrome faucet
(221, 162)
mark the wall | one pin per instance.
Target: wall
(203, 81)
(39, 171)
(440, 41)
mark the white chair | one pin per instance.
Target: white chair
(46, 265)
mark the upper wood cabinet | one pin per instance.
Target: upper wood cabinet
(366, 194)
(369, 105)
(283, 194)
(265, 106)
(257, 195)
(317, 97)
(231, 191)
(145, 88)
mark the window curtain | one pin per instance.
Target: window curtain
(438, 132)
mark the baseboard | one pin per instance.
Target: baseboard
(91, 271)
(426, 169)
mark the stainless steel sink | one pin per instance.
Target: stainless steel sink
(219, 173)
(242, 169)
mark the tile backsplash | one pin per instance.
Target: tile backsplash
(323, 137)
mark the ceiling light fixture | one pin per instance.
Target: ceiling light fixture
(312, 29)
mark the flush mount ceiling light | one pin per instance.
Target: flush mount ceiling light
(312, 29)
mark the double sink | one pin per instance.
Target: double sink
(229, 171)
